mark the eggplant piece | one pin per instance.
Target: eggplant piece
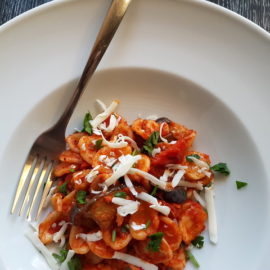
(178, 195)
(163, 119)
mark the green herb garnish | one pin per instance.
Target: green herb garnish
(120, 194)
(125, 228)
(148, 223)
(63, 188)
(72, 170)
(81, 196)
(61, 256)
(150, 143)
(155, 241)
(154, 191)
(192, 259)
(240, 184)
(113, 235)
(75, 264)
(98, 144)
(198, 241)
(194, 155)
(87, 127)
(221, 167)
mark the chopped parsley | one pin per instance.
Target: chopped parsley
(63, 188)
(221, 167)
(150, 143)
(72, 170)
(154, 191)
(198, 241)
(155, 241)
(87, 127)
(81, 196)
(75, 264)
(125, 228)
(192, 259)
(240, 184)
(120, 194)
(148, 223)
(193, 155)
(98, 144)
(113, 235)
(61, 256)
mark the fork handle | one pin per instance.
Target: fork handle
(110, 24)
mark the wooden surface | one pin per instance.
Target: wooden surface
(257, 11)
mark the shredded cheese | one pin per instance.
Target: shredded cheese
(126, 138)
(137, 227)
(177, 178)
(64, 265)
(155, 181)
(127, 206)
(205, 172)
(199, 163)
(212, 221)
(130, 185)
(118, 143)
(160, 133)
(90, 176)
(90, 237)
(104, 115)
(183, 183)
(123, 168)
(58, 235)
(198, 198)
(156, 151)
(165, 176)
(101, 104)
(112, 124)
(176, 167)
(165, 210)
(134, 260)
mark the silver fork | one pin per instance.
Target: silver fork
(45, 150)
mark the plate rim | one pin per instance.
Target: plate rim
(204, 3)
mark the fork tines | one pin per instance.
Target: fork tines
(36, 173)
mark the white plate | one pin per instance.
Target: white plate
(189, 60)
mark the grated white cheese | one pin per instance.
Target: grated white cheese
(126, 162)
(58, 235)
(183, 183)
(64, 265)
(118, 143)
(33, 237)
(165, 176)
(155, 181)
(127, 206)
(177, 178)
(165, 210)
(176, 167)
(160, 133)
(83, 147)
(97, 132)
(137, 227)
(173, 142)
(126, 138)
(205, 172)
(112, 124)
(198, 198)
(90, 237)
(156, 151)
(101, 104)
(134, 260)
(78, 181)
(130, 185)
(199, 163)
(93, 173)
(212, 220)
(101, 158)
(104, 115)
(77, 174)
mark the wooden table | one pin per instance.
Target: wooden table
(257, 11)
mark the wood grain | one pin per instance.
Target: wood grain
(257, 11)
